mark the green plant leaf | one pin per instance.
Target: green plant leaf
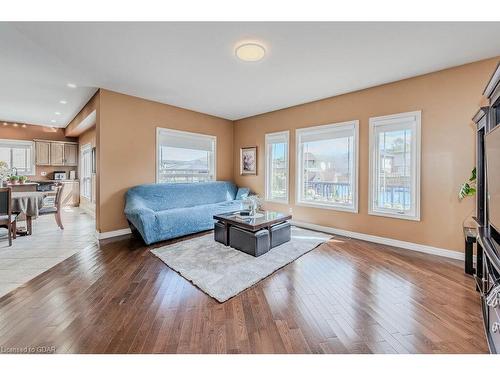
(466, 191)
(473, 175)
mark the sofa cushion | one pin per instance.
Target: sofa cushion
(242, 193)
(181, 221)
(159, 197)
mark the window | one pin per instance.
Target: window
(18, 155)
(327, 166)
(277, 167)
(86, 171)
(184, 157)
(395, 166)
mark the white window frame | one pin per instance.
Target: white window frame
(283, 137)
(341, 126)
(395, 121)
(28, 144)
(212, 138)
(86, 148)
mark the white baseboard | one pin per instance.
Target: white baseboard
(114, 233)
(453, 254)
(383, 240)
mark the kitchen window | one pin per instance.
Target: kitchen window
(18, 155)
(86, 171)
(394, 181)
(184, 156)
(277, 167)
(327, 166)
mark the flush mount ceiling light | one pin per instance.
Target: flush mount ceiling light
(71, 85)
(250, 52)
(63, 101)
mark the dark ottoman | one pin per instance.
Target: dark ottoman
(280, 233)
(253, 243)
(220, 233)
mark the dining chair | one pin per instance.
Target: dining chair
(7, 219)
(56, 209)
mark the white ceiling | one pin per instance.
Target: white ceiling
(192, 65)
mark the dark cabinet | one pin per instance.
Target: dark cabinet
(487, 276)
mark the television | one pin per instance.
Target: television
(492, 146)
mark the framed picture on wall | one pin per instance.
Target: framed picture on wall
(248, 161)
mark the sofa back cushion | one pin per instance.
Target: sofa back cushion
(242, 193)
(159, 197)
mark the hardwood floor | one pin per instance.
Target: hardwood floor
(346, 296)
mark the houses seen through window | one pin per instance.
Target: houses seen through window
(277, 167)
(395, 166)
(184, 157)
(327, 166)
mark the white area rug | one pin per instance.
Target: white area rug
(223, 272)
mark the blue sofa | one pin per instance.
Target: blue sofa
(163, 211)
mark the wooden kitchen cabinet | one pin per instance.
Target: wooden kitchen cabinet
(42, 153)
(56, 153)
(70, 154)
(70, 194)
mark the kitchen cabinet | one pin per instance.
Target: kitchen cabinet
(70, 194)
(42, 153)
(56, 153)
(70, 154)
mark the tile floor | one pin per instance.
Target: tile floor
(32, 255)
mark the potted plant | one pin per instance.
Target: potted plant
(254, 204)
(22, 179)
(14, 179)
(468, 188)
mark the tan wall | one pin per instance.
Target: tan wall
(74, 128)
(30, 132)
(88, 137)
(126, 141)
(448, 99)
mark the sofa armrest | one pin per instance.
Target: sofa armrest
(142, 217)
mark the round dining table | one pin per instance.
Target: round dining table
(28, 203)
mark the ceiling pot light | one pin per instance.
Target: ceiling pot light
(63, 101)
(57, 113)
(52, 120)
(71, 85)
(250, 52)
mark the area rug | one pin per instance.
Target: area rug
(223, 272)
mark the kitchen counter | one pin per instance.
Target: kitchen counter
(70, 195)
(27, 186)
(45, 181)
(24, 184)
